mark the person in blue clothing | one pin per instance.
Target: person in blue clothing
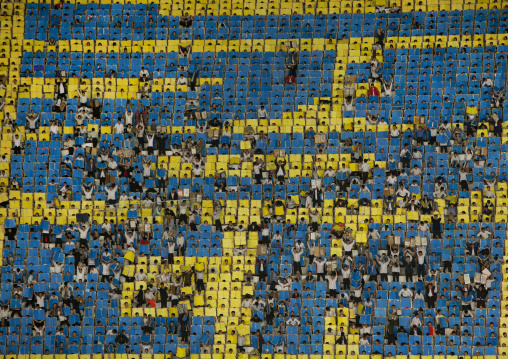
(466, 301)
(405, 156)
(420, 135)
(470, 126)
(393, 165)
(372, 271)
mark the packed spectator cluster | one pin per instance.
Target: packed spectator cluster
(253, 179)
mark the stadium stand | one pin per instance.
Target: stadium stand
(253, 179)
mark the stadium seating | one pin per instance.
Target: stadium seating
(369, 134)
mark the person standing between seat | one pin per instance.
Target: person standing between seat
(83, 97)
(320, 268)
(297, 267)
(436, 226)
(365, 169)
(280, 171)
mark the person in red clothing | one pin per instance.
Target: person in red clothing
(373, 91)
(431, 328)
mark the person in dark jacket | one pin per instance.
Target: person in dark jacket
(261, 340)
(436, 227)
(163, 292)
(161, 142)
(409, 263)
(121, 339)
(481, 296)
(193, 78)
(270, 314)
(140, 297)
(280, 171)
(261, 270)
(183, 321)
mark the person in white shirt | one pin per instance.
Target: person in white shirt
(347, 246)
(489, 193)
(81, 274)
(53, 129)
(297, 267)
(5, 314)
(83, 232)
(420, 263)
(106, 272)
(345, 169)
(262, 114)
(150, 139)
(330, 172)
(423, 227)
(239, 252)
(383, 268)
(330, 312)
(374, 234)
(57, 268)
(147, 169)
(83, 97)
(415, 321)
(40, 300)
(300, 246)
(140, 276)
(391, 179)
(17, 144)
(171, 251)
(419, 295)
(258, 304)
(284, 285)
(417, 154)
(332, 284)
(346, 276)
(388, 87)
(119, 127)
(257, 167)
(415, 171)
(484, 234)
(128, 117)
(348, 106)
(197, 171)
(364, 189)
(365, 169)
(246, 303)
(320, 268)
(143, 74)
(32, 119)
(112, 165)
(402, 192)
(291, 204)
(292, 322)
(487, 82)
(180, 244)
(181, 80)
(394, 132)
(365, 329)
(364, 341)
(441, 193)
(111, 191)
(405, 292)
